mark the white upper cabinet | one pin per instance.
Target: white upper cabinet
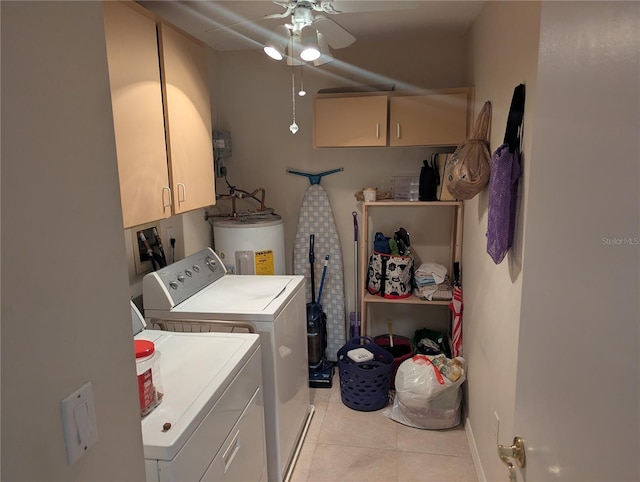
(431, 118)
(138, 119)
(428, 120)
(356, 121)
(188, 120)
(161, 114)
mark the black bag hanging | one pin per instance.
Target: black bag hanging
(428, 186)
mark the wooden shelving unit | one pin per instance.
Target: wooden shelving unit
(417, 208)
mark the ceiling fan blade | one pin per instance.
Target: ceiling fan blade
(337, 37)
(349, 6)
(277, 15)
(289, 8)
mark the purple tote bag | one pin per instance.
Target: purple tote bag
(503, 183)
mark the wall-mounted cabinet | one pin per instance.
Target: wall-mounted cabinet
(433, 118)
(428, 120)
(187, 120)
(356, 121)
(162, 116)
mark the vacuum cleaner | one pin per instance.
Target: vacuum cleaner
(320, 370)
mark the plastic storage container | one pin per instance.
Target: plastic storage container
(405, 188)
(150, 391)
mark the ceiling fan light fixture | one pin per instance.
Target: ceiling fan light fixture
(325, 52)
(309, 42)
(273, 52)
(275, 46)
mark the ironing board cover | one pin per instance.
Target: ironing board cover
(316, 217)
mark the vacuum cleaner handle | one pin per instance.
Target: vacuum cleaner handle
(311, 263)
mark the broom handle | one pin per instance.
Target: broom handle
(355, 265)
(324, 272)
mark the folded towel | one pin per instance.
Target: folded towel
(436, 270)
(437, 292)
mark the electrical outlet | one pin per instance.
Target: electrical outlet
(169, 235)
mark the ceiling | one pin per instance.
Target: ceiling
(240, 24)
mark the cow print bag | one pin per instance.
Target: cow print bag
(390, 276)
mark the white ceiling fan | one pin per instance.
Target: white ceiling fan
(308, 35)
(309, 32)
(303, 14)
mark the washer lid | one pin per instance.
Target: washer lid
(237, 294)
(137, 321)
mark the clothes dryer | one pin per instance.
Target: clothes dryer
(210, 423)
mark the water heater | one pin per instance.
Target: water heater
(250, 246)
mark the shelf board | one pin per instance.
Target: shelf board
(392, 202)
(412, 300)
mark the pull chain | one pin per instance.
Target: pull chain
(293, 127)
(301, 92)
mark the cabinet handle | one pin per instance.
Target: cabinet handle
(167, 204)
(377, 130)
(184, 193)
(398, 130)
(231, 452)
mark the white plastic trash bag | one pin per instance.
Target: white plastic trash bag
(425, 397)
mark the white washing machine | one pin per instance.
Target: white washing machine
(198, 288)
(210, 423)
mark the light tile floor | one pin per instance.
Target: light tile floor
(344, 445)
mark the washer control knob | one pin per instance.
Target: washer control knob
(196, 268)
(211, 263)
(188, 272)
(181, 278)
(173, 285)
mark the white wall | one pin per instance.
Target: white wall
(253, 97)
(65, 314)
(503, 52)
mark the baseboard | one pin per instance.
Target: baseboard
(298, 448)
(475, 456)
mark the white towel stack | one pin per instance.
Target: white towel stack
(431, 278)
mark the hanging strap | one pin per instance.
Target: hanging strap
(514, 121)
(384, 275)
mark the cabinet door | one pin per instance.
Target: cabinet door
(134, 74)
(188, 120)
(428, 120)
(350, 121)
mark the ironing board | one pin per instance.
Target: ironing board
(316, 217)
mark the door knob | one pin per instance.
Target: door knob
(515, 452)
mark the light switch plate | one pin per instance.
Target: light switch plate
(79, 422)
